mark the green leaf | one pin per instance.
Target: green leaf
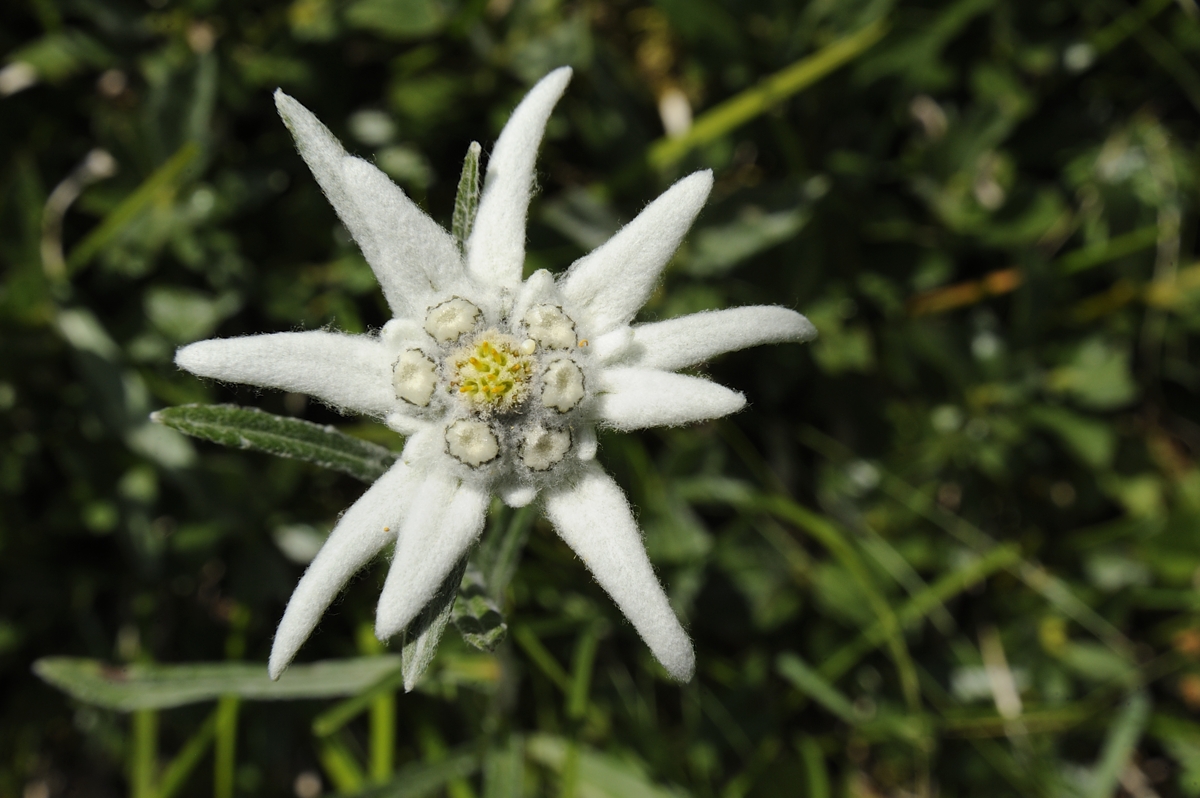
(426, 778)
(422, 636)
(504, 769)
(396, 19)
(599, 775)
(249, 428)
(165, 180)
(475, 614)
(813, 685)
(1119, 746)
(1092, 441)
(152, 686)
(766, 94)
(466, 201)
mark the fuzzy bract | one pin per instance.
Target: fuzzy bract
(498, 383)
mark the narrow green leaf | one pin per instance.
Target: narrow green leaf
(422, 636)
(817, 776)
(165, 178)
(813, 685)
(154, 686)
(466, 201)
(752, 102)
(342, 713)
(504, 769)
(225, 746)
(537, 652)
(1116, 247)
(505, 555)
(1119, 746)
(581, 671)
(180, 768)
(143, 753)
(600, 775)
(475, 614)
(250, 428)
(916, 608)
(342, 767)
(426, 778)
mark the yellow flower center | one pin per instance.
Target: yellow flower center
(491, 374)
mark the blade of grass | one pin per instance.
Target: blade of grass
(340, 714)
(180, 768)
(838, 544)
(420, 779)
(581, 672)
(1116, 247)
(742, 107)
(143, 754)
(341, 765)
(545, 661)
(1119, 746)
(813, 684)
(382, 737)
(164, 179)
(916, 608)
(1034, 576)
(225, 746)
(815, 775)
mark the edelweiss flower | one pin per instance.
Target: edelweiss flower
(498, 383)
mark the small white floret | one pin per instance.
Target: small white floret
(550, 327)
(472, 442)
(562, 385)
(543, 448)
(451, 319)
(414, 377)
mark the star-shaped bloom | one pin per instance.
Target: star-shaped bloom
(499, 384)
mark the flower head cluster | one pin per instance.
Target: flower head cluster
(498, 383)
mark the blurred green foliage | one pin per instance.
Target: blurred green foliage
(951, 549)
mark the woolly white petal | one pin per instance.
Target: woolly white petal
(593, 518)
(324, 154)
(608, 285)
(679, 343)
(446, 517)
(347, 371)
(414, 256)
(496, 247)
(364, 529)
(635, 398)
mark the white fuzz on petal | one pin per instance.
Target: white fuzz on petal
(346, 371)
(688, 340)
(516, 496)
(396, 333)
(414, 255)
(445, 518)
(323, 154)
(550, 327)
(452, 319)
(593, 518)
(364, 529)
(586, 446)
(613, 346)
(414, 377)
(608, 286)
(633, 398)
(562, 385)
(471, 442)
(543, 448)
(496, 248)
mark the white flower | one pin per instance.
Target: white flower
(498, 383)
